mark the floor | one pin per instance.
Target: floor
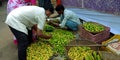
(8, 51)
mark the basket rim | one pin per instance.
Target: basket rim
(94, 23)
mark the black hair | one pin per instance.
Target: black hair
(49, 7)
(59, 7)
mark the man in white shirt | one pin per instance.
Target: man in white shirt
(20, 22)
(67, 18)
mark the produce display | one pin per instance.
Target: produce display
(83, 53)
(44, 49)
(39, 51)
(48, 28)
(60, 38)
(93, 27)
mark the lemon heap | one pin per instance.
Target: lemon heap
(39, 51)
(60, 38)
(83, 53)
(93, 27)
(48, 28)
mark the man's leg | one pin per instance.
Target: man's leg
(30, 35)
(72, 25)
(22, 43)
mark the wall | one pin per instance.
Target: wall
(107, 6)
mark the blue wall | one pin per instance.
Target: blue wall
(107, 6)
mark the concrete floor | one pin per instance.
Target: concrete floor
(8, 51)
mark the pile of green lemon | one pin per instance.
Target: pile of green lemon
(93, 27)
(43, 51)
(39, 51)
(83, 53)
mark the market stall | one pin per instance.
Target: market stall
(65, 46)
(93, 41)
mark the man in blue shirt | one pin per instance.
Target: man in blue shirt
(68, 19)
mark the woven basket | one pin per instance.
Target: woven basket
(97, 38)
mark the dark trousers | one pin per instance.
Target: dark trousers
(23, 41)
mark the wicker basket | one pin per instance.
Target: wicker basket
(97, 38)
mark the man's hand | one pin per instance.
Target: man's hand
(42, 35)
(34, 27)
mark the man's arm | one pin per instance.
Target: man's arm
(66, 17)
(40, 33)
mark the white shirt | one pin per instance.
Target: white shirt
(25, 17)
(69, 15)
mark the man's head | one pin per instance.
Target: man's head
(60, 9)
(49, 9)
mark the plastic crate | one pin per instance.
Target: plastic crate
(97, 38)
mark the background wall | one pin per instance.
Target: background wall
(106, 6)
